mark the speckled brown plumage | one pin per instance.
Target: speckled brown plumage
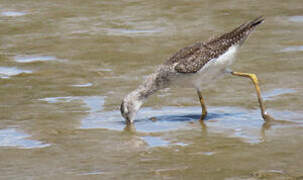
(197, 65)
(192, 58)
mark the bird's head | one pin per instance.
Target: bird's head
(129, 107)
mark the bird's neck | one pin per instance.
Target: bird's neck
(147, 88)
(152, 83)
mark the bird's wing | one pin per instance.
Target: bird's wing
(192, 58)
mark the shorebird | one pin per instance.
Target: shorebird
(197, 65)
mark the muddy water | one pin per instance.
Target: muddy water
(65, 66)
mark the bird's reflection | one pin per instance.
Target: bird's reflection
(131, 129)
(204, 127)
(265, 127)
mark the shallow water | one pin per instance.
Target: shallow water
(12, 138)
(66, 65)
(7, 72)
(12, 13)
(29, 59)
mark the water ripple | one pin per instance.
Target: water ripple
(7, 72)
(13, 138)
(13, 13)
(296, 18)
(292, 49)
(29, 59)
(277, 92)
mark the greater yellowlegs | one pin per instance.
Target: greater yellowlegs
(199, 65)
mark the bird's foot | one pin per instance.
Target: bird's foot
(203, 116)
(153, 119)
(267, 117)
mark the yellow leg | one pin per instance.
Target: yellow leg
(254, 79)
(203, 106)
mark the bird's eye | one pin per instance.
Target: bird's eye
(123, 108)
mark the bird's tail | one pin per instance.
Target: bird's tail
(250, 25)
(238, 35)
(245, 29)
(257, 21)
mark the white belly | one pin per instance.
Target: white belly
(214, 69)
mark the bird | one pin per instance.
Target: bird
(198, 66)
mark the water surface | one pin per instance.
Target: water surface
(66, 65)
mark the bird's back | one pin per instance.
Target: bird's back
(192, 58)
